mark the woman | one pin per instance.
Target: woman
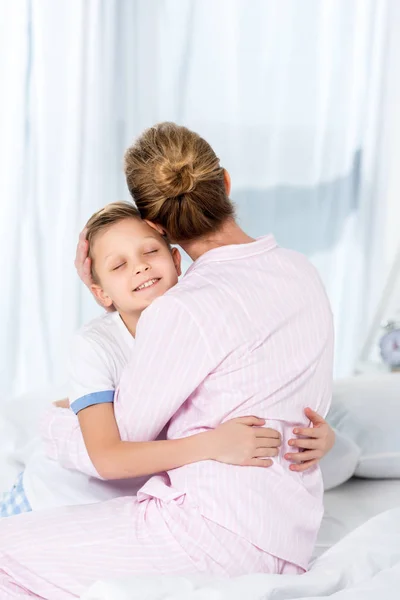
(247, 330)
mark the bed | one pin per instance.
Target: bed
(352, 504)
(357, 555)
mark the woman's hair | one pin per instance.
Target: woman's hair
(103, 219)
(176, 181)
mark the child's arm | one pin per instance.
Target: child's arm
(99, 452)
(242, 441)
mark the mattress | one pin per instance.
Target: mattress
(351, 504)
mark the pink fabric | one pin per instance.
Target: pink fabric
(117, 538)
(64, 442)
(247, 331)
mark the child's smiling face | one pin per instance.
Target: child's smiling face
(133, 265)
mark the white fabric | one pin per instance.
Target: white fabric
(99, 352)
(19, 423)
(363, 566)
(289, 93)
(340, 463)
(352, 504)
(366, 409)
(47, 484)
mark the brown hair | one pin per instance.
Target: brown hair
(103, 219)
(176, 181)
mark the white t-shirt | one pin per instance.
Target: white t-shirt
(100, 351)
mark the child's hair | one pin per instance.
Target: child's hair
(176, 181)
(103, 219)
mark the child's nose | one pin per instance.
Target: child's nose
(142, 268)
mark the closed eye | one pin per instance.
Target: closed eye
(151, 252)
(118, 267)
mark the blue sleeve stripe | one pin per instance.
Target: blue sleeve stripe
(91, 399)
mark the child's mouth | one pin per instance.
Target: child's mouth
(147, 284)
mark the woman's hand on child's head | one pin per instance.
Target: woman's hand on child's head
(82, 260)
(83, 265)
(316, 441)
(245, 442)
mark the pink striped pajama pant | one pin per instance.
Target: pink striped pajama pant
(58, 554)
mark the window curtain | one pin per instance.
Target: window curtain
(290, 94)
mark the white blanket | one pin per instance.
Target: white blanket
(365, 565)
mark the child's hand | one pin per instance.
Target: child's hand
(317, 442)
(83, 265)
(62, 403)
(244, 442)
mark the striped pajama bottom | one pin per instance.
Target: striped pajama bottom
(57, 554)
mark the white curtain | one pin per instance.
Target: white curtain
(289, 93)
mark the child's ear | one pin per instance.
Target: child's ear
(101, 296)
(177, 258)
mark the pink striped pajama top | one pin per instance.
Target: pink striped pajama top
(248, 330)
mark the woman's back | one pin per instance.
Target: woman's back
(268, 324)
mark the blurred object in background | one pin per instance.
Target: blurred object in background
(381, 350)
(390, 345)
(300, 100)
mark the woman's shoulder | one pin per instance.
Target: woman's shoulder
(178, 307)
(176, 300)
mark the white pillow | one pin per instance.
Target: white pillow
(366, 409)
(340, 463)
(19, 421)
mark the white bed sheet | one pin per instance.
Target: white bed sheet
(352, 504)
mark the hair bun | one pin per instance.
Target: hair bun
(175, 179)
(177, 182)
